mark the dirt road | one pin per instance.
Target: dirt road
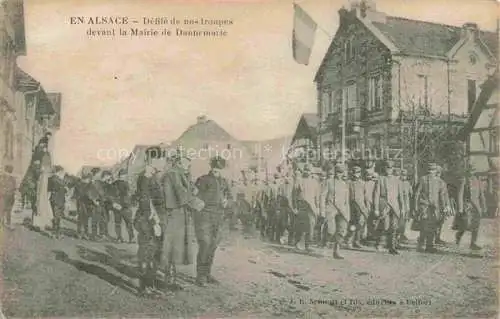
(43, 277)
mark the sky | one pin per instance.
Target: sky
(119, 92)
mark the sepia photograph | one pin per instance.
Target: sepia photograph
(249, 159)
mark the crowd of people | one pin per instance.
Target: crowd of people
(356, 206)
(169, 211)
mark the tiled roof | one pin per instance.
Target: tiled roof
(208, 130)
(312, 119)
(427, 38)
(25, 82)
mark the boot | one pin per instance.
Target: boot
(336, 254)
(473, 239)
(458, 237)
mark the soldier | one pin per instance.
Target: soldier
(371, 179)
(359, 211)
(430, 202)
(307, 198)
(285, 206)
(273, 208)
(336, 203)
(214, 191)
(471, 205)
(407, 193)
(7, 195)
(84, 205)
(179, 193)
(438, 240)
(97, 210)
(322, 225)
(147, 224)
(57, 190)
(387, 208)
(292, 217)
(107, 196)
(123, 211)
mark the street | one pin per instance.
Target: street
(43, 277)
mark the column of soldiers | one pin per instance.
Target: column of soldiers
(357, 209)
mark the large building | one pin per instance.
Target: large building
(27, 112)
(382, 70)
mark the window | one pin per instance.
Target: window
(205, 146)
(337, 101)
(349, 49)
(375, 93)
(423, 94)
(325, 103)
(471, 94)
(494, 147)
(349, 96)
(228, 146)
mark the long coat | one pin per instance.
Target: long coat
(387, 195)
(177, 221)
(336, 202)
(431, 192)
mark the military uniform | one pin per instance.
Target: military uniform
(307, 196)
(438, 240)
(273, 209)
(430, 202)
(57, 190)
(387, 207)
(407, 194)
(214, 191)
(285, 207)
(100, 214)
(359, 211)
(371, 179)
(471, 205)
(124, 213)
(7, 195)
(337, 210)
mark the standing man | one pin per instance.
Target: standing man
(471, 205)
(285, 205)
(336, 203)
(214, 191)
(57, 191)
(273, 210)
(105, 198)
(307, 194)
(371, 179)
(443, 215)
(430, 203)
(407, 194)
(387, 207)
(177, 220)
(359, 211)
(7, 195)
(84, 205)
(123, 212)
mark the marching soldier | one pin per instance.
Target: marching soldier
(387, 208)
(438, 240)
(84, 195)
(214, 191)
(124, 212)
(471, 205)
(285, 207)
(7, 195)
(359, 211)
(430, 203)
(307, 194)
(407, 194)
(336, 205)
(273, 208)
(292, 217)
(371, 179)
(322, 225)
(57, 190)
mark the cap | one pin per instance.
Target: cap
(276, 175)
(396, 171)
(217, 162)
(122, 171)
(404, 172)
(307, 168)
(356, 169)
(339, 168)
(106, 173)
(388, 164)
(58, 168)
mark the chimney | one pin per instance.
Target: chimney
(201, 119)
(470, 30)
(367, 9)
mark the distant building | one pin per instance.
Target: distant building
(304, 144)
(380, 68)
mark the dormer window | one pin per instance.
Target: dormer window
(349, 49)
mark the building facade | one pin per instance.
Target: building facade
(12, 43)
(382, 70)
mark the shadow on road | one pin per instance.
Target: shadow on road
(96, 271)
(292, 250)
